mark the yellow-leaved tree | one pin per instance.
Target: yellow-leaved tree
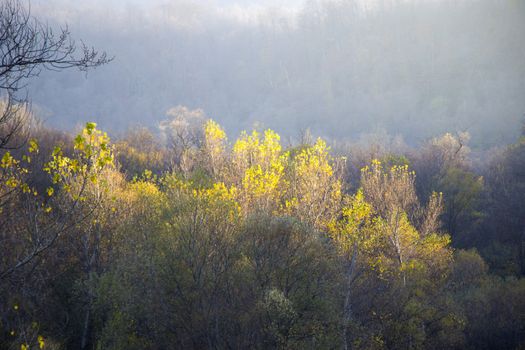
(51, 214)
(314, 188)
(69, 217)
(391, 247)
(410, 229)
(214, 149)
(259, 165)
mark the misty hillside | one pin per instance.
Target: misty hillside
(414, 68)
(245, 174)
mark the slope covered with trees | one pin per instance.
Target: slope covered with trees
(184, 239)
(205, 243)
(341, 67)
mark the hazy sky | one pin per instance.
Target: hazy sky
(61, 7)
(160, 14)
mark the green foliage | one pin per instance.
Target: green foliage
(252, 246)
(92, 155)
(505, 217)
(462, 190)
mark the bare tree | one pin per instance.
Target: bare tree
(28, 46)
(183, 135)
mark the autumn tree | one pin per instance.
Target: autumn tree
(314, 185)
(258, 165)
(391, 247)
(215, 150)
(36, 222)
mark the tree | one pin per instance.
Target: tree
(214, 149)
(394, 260)
(139, 150)
(356, 236)
(442, 165)
(258, 166)
(183, 135)
(462, 192)
(36, 227)
(506, 213)
(28, 46)
(314, 185)
(49, 218)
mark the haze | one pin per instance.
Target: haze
(249, 174)
(341, 68)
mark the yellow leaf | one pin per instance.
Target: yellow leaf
(41, 342)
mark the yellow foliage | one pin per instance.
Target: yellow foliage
(246, 149)
(389, 245)
(250, 150)
(213, 132)
(262, 167)
(214, 147)
(93, 155)
(41, 342)
(358, 228)
(259, 183)
(315, 192)
(13, 172)
(314, 160)
(220, 197)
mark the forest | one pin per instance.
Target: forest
(204, 243)
(414, 68)
(182, 236)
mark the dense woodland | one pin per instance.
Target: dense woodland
(198, 242)
(181, 238)
(415, 68)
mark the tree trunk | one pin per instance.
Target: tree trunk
(347, 312)
(85, 331)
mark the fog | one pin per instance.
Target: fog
(413, 69)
